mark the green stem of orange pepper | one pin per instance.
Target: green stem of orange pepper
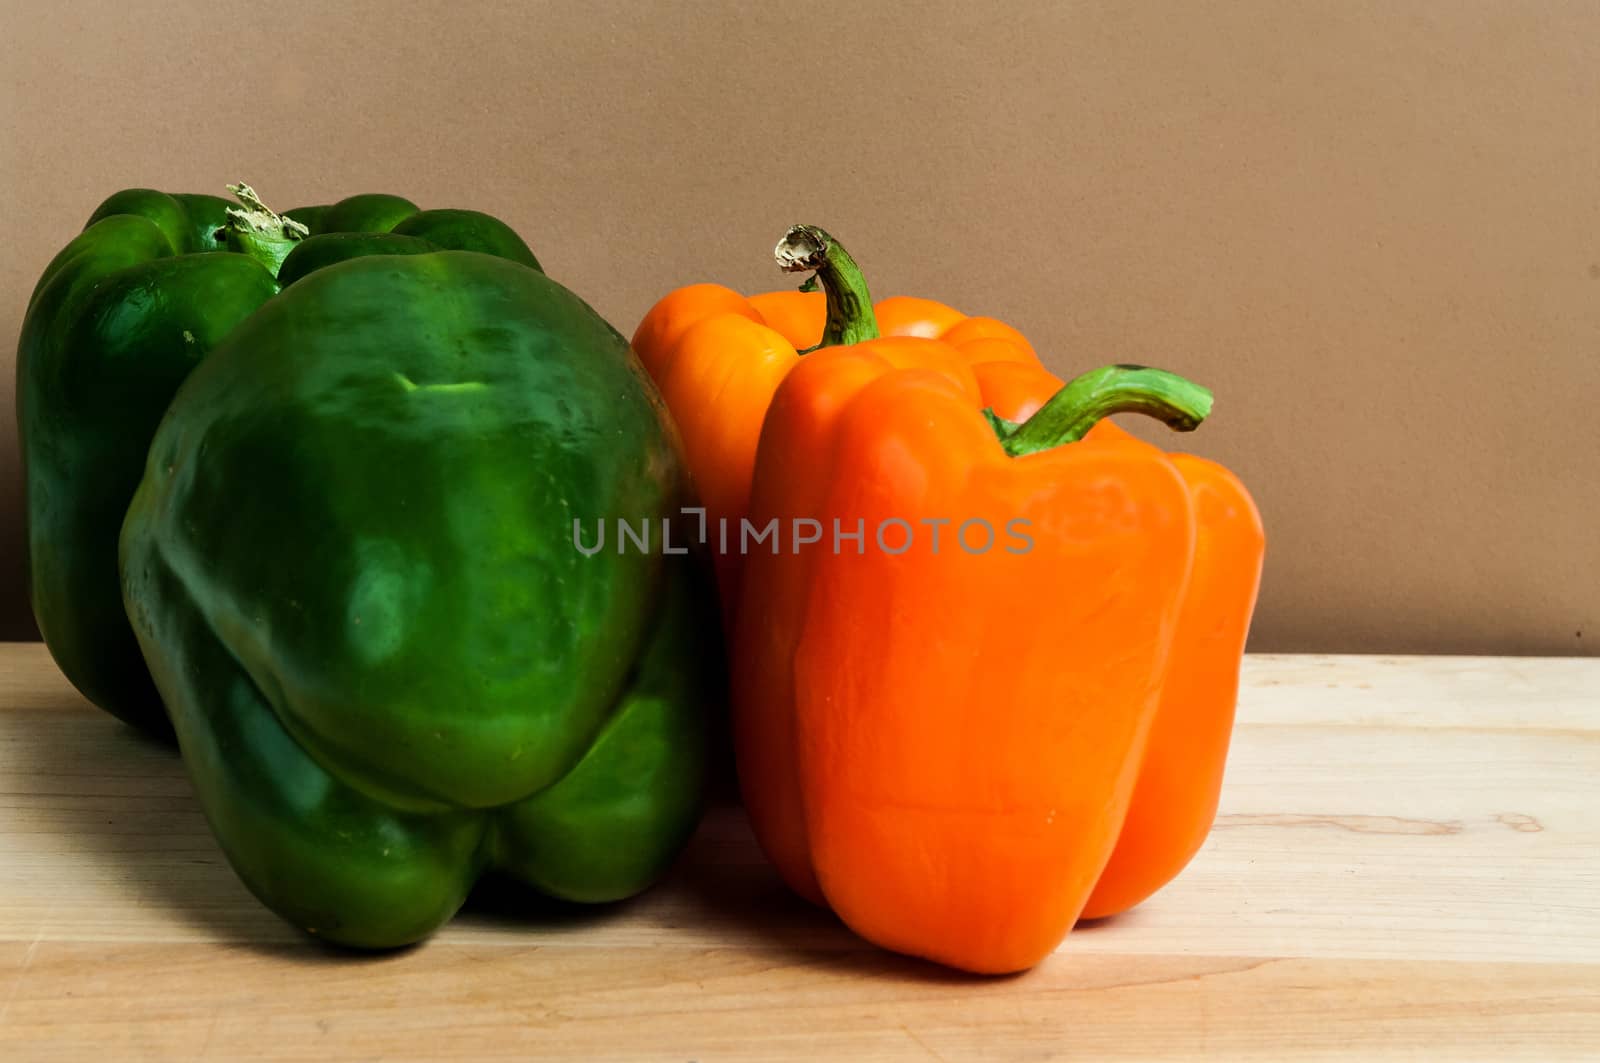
(1178, 403)
(850, 317)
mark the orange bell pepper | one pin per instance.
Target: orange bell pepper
(926, 742)
(718, 357)
(873, 778)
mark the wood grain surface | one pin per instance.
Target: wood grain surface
(1407, 866)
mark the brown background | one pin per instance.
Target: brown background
(1372, 228)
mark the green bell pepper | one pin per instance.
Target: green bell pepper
(351, 567)
(115, 324)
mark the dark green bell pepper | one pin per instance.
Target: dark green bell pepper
(351, 567)
(116, 323)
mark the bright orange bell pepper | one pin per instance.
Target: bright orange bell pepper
(960, 763)
(942, 745)
(743, 349)
(719, 356)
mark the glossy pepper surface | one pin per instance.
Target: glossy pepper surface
(1180, 778)
(944, 746)
(351, 567)
(719, 356)
(115, 324)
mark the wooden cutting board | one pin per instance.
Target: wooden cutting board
(1407, 866)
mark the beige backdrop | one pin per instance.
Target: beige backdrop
(1372, 228)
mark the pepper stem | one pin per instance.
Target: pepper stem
(1178, 403)
(260, 232)
(850, 316)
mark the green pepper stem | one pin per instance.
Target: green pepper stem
(260, 232)
(850, 317)
(1178, 403)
